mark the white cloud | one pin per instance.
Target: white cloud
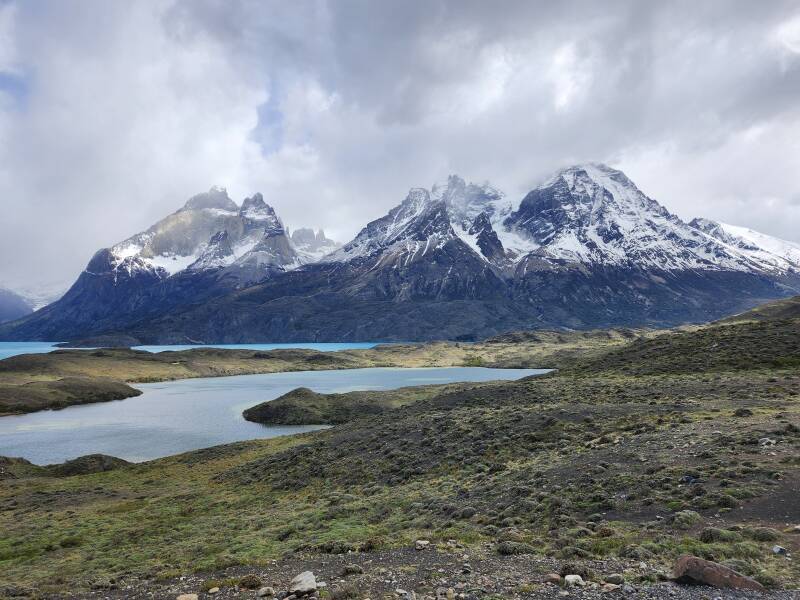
(334, 109)
(788, 34)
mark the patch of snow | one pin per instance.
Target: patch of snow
(171, 263)
(783, 249)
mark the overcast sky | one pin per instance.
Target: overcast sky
(112, 113)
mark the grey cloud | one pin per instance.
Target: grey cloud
(334, 109)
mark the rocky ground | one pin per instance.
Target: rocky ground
(446, 572)
(618, 464)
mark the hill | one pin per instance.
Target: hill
(616, 464)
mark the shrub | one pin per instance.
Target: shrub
(514, 548)
(686, 519)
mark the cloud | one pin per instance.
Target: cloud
(334, 109)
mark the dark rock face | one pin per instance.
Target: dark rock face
(691, 570)
(486, 238)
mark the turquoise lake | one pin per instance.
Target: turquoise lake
(8, 349)
(177, 416)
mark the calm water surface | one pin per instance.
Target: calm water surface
(177, 416)
(13, 348)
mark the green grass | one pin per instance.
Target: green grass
(574, 464)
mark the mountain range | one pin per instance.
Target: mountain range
(586, 248)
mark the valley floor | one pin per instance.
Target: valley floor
(623, 460)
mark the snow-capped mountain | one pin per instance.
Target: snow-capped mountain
(587, 214)
(209, 247)
(586, 248)
(593, 214)
(211, 232)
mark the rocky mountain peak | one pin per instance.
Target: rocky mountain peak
(217, 197)
(465, 201)
(255, 209)
(313, 245)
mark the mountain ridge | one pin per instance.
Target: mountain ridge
(586, 248)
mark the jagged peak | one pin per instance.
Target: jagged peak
(457, 186)
(255, 209)
(216, 197)
(597, 173)
(307, 235)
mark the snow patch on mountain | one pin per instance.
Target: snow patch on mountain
(771, 254)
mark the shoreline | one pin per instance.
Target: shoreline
(66, 377)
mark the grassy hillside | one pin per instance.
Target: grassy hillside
(666, 446)
(779, 310)
(746, 345)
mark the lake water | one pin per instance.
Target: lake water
(177, 416)
(8, 349)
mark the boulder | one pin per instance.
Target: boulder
(303, 584)
(187, 597)
(574, 580)
(692, 570)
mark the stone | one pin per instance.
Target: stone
(778, 549)
(553, 578)
(574, 580)
(692, 570)
(421, 544)
(213, 590)
(610, 587)
(303, 584)
(614, 578)
(187, 597)
(266, 592)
